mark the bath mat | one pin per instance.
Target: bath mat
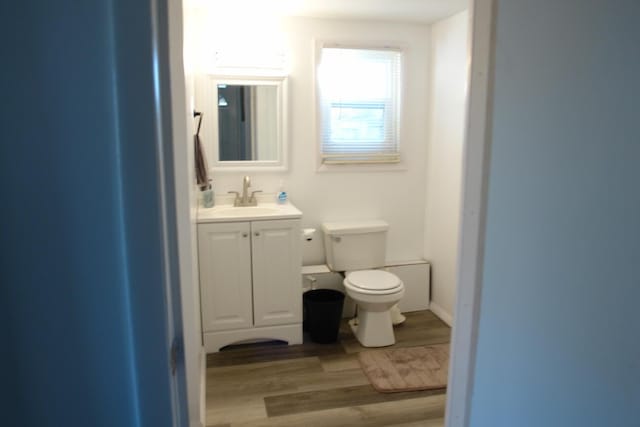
(406, 369)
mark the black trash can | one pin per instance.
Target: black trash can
(322, 313)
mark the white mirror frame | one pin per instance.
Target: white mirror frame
(209, 130)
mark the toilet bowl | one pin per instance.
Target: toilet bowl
(375, 292)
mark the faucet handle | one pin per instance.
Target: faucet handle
(237, 198)
(253, 195)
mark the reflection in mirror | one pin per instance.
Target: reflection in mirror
(247, 122)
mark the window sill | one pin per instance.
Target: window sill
(362, 167)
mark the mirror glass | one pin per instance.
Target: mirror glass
(247, 122)
(244, 121)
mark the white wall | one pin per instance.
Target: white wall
(449, 62)
(558, 321)
(397, 196)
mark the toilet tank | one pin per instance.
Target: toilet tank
(355, 245)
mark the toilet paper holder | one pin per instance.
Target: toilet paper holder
(308, 234)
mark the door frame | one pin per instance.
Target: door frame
(473, 213)
(182, 128)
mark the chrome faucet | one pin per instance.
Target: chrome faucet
(245, 199)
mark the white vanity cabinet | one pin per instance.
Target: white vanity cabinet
(250, 281)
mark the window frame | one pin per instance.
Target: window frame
(355, 165)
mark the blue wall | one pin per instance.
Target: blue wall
(82, 302)
(559, 334)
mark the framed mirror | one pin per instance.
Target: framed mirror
(244, 124)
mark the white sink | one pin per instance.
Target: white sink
(264, 211)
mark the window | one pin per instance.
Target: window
(359, 98)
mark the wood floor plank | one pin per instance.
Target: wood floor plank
(253, 370)
(267, 352)
(260, 378)
(341, 362)
(235, 409)
(269, 385)
(376, 415)
(335, 398)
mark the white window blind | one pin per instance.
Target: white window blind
(359, 99)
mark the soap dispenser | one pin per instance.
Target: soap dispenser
(282, 195)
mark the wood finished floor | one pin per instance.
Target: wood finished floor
(318, 385)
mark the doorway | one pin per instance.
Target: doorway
(470, 226)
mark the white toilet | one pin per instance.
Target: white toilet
(357, 248)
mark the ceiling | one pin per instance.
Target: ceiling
(419, 11)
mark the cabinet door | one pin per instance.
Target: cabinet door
(224, 255)
(277, 272)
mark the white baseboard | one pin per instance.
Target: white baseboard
(445, 316)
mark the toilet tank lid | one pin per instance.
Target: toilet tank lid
(352, 227)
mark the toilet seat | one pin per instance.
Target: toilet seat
(373, 282)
